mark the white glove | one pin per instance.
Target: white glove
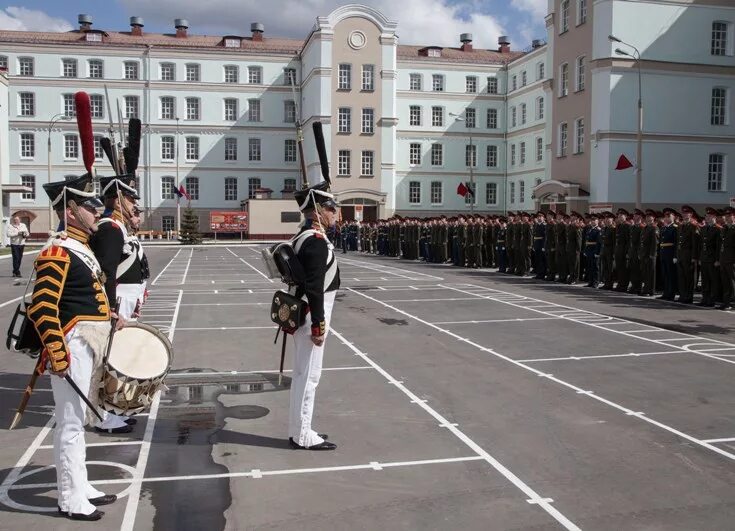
(675, 260)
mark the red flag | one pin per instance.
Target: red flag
(623, 163)
(462, 189)
(182, 192)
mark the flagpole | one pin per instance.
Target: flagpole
(473, 158)
(178, 197)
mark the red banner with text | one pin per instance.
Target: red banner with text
(233, 221)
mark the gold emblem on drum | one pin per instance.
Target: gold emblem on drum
(284, 312)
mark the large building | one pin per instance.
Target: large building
(405, 125)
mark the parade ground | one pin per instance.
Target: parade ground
(458, 398)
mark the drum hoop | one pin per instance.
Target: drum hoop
(160, 335)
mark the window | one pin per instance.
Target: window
(289, 150)
(470, 118)
(168, 72)
(471, 84)
(540, 108)
(71, 147)
(25, 66)
(492, 157)
(415, 81)
(414, 154)
(27, 103)
(539, 149)
(96, 69)
(289, 111)
(30, 182)
(515, 83)
(719, 106)
(232, 74)
(192, 148)
(523, 113)
(191, 184)
(192, 72)
(368, 77)
(437, 116)
(491, 193)
(192, 108)
(344, 120)
(414, 115)
(524, 78)
(368, 121)
(434, 52)
(253, 110)
(97, 105)
(437, 83)
(289, 76)
(69, 67)
(719, 38)
(523, 153)
(131, 106)
(513, 115)
(70, 107)
(563, 80)
(230, 188)
(232, 42)
(562, 140)
(470, 155)
(540, 71)
(4, 62)
(253, 185)
(289, 185)
(492, 118)
(492, 85)
(564, 16)
(716, 172)
(436, 192)
(512, 192)
(230, 109)
(131, 70)
(168, 108)
(522, 191)
(579, 135)
(255, 75)
(167, 188)
(254, 152)
(230, 148)
(513, 155)
(27, 145)
(343, 163)
(167, 148)
(579, 81)
(345, 77)
(168, 223)
(366, 166)
(414, 192)
(581, 12)
(437, 155)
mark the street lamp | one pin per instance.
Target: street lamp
(471, 162)
(55, 118)
(636, 56)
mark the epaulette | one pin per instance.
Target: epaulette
(54, 252)
(319, 235)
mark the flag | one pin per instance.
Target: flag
(623, 163)
(181, 192)
(470, 189)
(462, 189)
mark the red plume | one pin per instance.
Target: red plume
(623, 163)
(84, 124)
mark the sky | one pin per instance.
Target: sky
(420, 22)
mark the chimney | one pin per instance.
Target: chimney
(466, 39)
(504, 44)
(85, 22)
(257, 29)
(181, 25)
(136, 26)
(536, 43)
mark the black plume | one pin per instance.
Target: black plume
(107, 148)
(321, 149)
(132, 151)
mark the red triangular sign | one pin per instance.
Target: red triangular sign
(462, 189)
(623, 163)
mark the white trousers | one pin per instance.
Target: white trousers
(69, 448)
(307, 369)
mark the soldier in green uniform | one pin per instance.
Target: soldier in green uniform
(574, 247)
(687, 243)
(634, 263)
(622, 244)
(510, 243)
(647, 254)
(607, 254)
(550, 246)
(727, 259)
(525, 245)
(561, 246)
(709, 258)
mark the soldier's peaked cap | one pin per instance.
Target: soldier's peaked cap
(623, 211)
(638, 212)
(711, 211)
(79, 189)
(651, 212)
(126, 184)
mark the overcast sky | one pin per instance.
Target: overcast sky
(423, 22)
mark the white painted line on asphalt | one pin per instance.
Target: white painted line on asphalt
(186, 271)
(225, 303)
(11, 301)
(433, 300)
(271, 327)
(603, 356)
(727, 439)
(498, 320)
(520, 484)
(91, 445)
(155, 280)
(553, 378)
(251, 266)
(387, 270)
(173, 376)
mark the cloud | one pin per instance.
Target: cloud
(536, 8)
(419, 21)
(22, 19)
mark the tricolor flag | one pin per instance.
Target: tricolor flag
(623, 163)
(465, 188)
(181, 192)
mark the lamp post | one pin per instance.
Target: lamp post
(178, 199)
(55, 118)
(636, 56)
(470, 162)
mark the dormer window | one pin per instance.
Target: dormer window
(434, 52)
(91, 36)
(232, 42)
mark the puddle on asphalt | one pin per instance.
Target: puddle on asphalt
(190, 422)
(389, 321)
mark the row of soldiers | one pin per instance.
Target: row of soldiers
(637, 253)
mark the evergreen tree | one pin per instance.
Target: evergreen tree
(190, 227)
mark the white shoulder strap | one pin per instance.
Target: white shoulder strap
(298, 240)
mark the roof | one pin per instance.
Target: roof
(267, 45)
